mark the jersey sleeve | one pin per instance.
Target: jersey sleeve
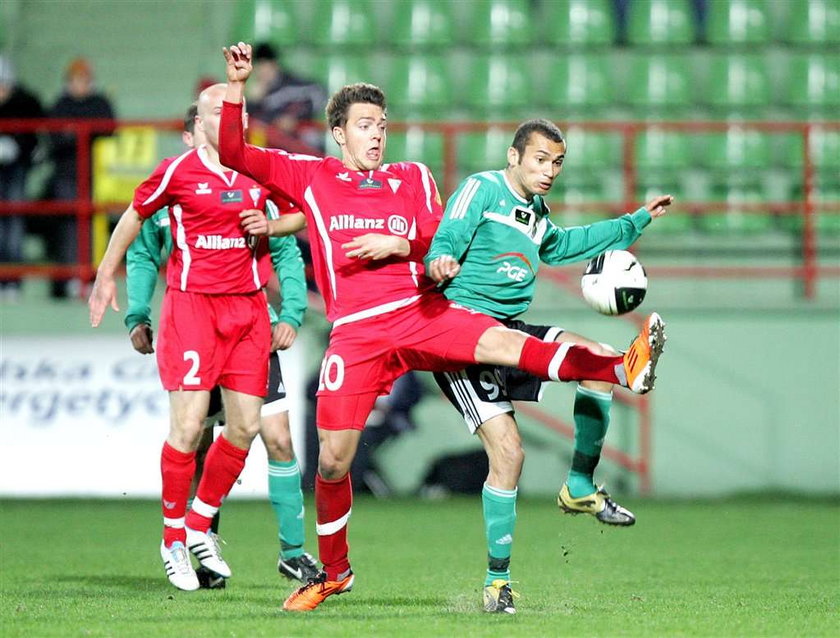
(142, 263)
(429, 213)
(577, 243)
(460, 220)
(283, 173)
(288, 264)
(152, 194)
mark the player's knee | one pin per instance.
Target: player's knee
(334, 462)
(279, 447)
(500, 346)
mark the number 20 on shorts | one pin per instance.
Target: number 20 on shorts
(332, 373)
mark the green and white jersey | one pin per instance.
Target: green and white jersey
(500, 238)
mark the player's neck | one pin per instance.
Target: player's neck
(516, 186)
(212, 155)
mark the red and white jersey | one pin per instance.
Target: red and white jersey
(340, 204)
(211, 253)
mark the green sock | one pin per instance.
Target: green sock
(592, 418)
(499, 521)
(287, 502)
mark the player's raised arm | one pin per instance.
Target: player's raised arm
(104, 291)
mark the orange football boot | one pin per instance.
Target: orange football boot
(316, 591)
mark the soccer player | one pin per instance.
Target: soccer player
(386, 318)
(143, 261)
(214, 330)
(487, 249)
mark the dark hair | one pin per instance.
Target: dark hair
(545, 128)
(264, 51)
(359, 93)
(189, 118)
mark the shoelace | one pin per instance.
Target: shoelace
(180, 560)
(215, 539)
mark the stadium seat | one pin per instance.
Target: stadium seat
(272, 21)
(738, 83)
(419, 85)
(813, 23)
(337, 23)
(422, 24)
(737, 218)
(498, 85)
(484, 151)
(578, 23)
(592, 150)
(663, 152)
(658, 83)
(498, 22)
(738, 22)
(334, 71)
(579, 82)
(654, 22)
(737, 150)
(825, 150)
(415, 144)
(813, 84)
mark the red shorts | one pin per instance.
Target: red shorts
(209, 340)
(365, 357)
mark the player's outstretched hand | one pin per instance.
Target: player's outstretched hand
(238, 62)
(376, 246)
(141, 338)
(282, 336)
(444, 268)
(656, 207)
(254, 221)
(104, 294)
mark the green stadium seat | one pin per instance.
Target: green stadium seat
(338, 23)
(578, 23)
(825, 150)
(737, 150)
(272, 21)
(738, 84)
(484, 151)
(654, 22)
(813, 23)
(813, 84)
(737, 218)
(658, 83)
(419, 85)
(334, 71)
(415, 144)
(498, 85)
(422, 24)
(663, 152)
(581, 198)
(592, 150)
(738, 22)
(499, 23)
(579, 83)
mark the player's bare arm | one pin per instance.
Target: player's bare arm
(256, 223)
(238, 69)
(377, 246)
(104, 291)
(282, 336)
(141, 338)
(443, 268)
(657, 206)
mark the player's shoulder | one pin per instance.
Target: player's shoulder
(485, 181)
(408, 170)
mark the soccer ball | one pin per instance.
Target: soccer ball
(614, 282)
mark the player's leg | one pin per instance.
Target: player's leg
(569, 362)
(224, 463)
(177, 465)
(284, 479)
(593, 400)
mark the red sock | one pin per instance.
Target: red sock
(176, 472)
(560, 361)
(222, 467)
(333, 502)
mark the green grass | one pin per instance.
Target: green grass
(740, 567)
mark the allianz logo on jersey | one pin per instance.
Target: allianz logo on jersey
(217, 242)
(396, 224)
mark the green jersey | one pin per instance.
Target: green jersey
(152, 246)
(500, 238)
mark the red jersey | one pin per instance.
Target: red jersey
(210, 252)
(341, 204)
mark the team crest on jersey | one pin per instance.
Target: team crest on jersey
(254, 192)
(369, 182)
(203, 188)
(232, 197)
(523, 215)
(394, 183)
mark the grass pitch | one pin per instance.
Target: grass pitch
(742, 567)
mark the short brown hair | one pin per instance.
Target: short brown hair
(547, 129)
(189, 118)
(359, 93)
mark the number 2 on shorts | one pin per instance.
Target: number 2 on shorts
(190, 378)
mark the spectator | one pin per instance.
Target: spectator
(286, 105)
(16, 155)
(80, 100)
